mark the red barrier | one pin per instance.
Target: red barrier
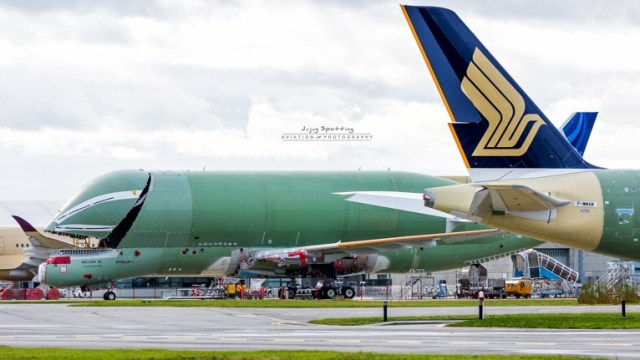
(20, 294)
(7, 294)
(35, 294)
(53, 294)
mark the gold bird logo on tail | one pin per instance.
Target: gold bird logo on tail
(503, 107)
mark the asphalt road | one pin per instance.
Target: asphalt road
(257, 329)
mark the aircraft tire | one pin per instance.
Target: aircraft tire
(330, 293)
(109, 295)
(348, 292)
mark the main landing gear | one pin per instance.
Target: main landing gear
(109, 295)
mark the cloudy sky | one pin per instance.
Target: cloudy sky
(89, 87)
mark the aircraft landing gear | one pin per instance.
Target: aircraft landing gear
(348, 292)
(109, 295)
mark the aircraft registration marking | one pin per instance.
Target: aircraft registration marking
(586, 203)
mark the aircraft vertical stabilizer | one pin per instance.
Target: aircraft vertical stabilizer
(577, 129)
(495, 123)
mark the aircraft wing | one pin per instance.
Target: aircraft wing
(326, 253)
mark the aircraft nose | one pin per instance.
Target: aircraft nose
(99, 205)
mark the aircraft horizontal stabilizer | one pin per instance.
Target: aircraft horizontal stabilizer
(404, 201)
(523, 198)
(517, 200)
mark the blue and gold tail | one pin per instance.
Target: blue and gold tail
(577, 129)
(495, 124)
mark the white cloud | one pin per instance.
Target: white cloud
(162, 84)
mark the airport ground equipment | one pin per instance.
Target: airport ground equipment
(619, 273)
(417, 283)
(440, 291)
(473, 280)
(551, 277)
(324, 289)
(518, 288)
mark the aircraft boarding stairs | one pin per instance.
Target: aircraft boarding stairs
(550, 275)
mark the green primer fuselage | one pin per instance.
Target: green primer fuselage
(192, 220)
(621, 232)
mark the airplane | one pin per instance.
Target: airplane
(269, 224)
(279, 224)
(527, 178)
(20, 256)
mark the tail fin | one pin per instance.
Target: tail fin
(495, 124)
(577, 129)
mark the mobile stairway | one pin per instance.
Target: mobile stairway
(551, 277)
(619, 273)
(415, 282)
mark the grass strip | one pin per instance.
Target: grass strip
(119, 354)
(546, 321)
(322, 303)
(558, 321)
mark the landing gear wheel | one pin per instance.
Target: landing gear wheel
(348, 292)
(109, 295)
(331, 292)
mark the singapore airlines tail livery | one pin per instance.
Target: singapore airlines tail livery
(496, 125)
(528, 179)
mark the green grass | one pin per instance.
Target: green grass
(547, 321)
(72, 354)
(378, 319)
(558, 321)
(321, 303)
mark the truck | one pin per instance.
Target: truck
(518, 288)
